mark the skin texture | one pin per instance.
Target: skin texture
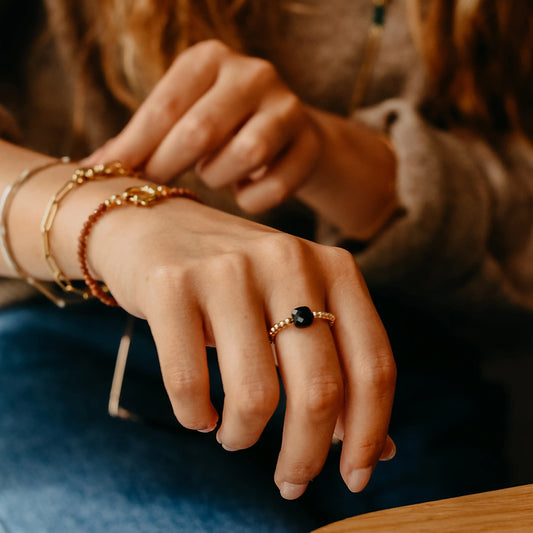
(217, 277)
(233, 119)
(185, 267)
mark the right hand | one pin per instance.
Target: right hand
(233, 118)
(203, 277)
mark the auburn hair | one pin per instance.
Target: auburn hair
(138, 39)
(478, 53)
(479, 58)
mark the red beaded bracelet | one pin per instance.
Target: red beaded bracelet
(145, 196)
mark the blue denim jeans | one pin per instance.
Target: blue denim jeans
(65, 465)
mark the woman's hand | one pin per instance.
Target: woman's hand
(233, 119)
(229, 115)
(203, 277)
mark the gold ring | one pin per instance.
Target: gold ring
(301, 317)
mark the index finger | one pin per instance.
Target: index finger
(187, 80)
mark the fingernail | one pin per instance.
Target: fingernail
(208, 429)
(389, 450)
(262, 194)
(227, 448)
(358, 479)
(258, 173)
(291, 491)
(213, 426)
(338, 434)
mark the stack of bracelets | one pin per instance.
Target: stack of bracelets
(143, 196)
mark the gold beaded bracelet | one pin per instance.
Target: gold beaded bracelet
(80, 177)
(145, 196)
(5, 206)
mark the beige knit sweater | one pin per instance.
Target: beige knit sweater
(464, 244)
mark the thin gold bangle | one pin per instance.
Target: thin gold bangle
(80, 177)
(5, 207)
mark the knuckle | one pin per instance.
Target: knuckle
(199, 59)
(211, 48)
(295, 254)
(282, 248)
(262, 72)
(291, 105)
(229, 266)
(344, 265)
(379, 372)
(164, 110)
(251, 151)
(182, 384)
(258, 401)
(166, 279)
(323, 398)
(199, 131)
(343, 259)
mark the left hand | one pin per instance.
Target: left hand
(232, 117)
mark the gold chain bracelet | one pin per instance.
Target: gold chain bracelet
(5, 206)
(80, 177)
(145, 196)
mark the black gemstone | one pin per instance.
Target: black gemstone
(302, 317)
(379, 15)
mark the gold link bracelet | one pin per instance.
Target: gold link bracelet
(5, 206)
(80, 177)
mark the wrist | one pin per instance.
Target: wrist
(32, 202)
(144, 196)
(353, 184)
(74, 212)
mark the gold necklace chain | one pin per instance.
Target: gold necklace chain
(370, 53)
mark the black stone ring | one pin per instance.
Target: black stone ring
(301, 317)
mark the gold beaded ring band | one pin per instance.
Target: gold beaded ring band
(145, 196)
(301, 317)
(80, 177)
(5, 207)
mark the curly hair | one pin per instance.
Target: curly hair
(478, 53)
(138, 39)
(479, 57)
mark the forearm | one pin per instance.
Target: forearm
(29, 205)
(353, 183)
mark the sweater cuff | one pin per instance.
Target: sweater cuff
(441, 231)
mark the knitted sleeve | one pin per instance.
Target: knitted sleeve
(465, 230)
